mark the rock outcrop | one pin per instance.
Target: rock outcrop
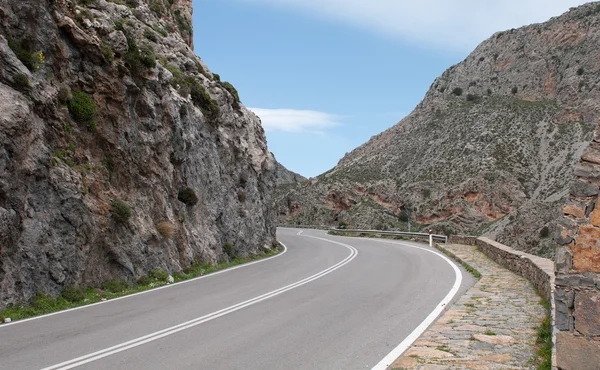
(120, 151)
(489, 149)
(283, 176)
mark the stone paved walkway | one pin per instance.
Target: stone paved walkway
(492, 326)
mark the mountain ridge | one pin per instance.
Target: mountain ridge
(484, 150)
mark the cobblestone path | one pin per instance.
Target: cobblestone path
(492, 326)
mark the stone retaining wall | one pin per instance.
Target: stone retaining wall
(578, 267)
(538, 270)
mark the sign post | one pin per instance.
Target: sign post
(431, 238)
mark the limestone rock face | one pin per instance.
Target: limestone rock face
(283, 176)
(110, 126)
(491, 148)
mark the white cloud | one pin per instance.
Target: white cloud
(451, 24)
(292, 120)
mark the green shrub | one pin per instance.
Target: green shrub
(139, 58)
(202, 99)
(115, 286)
(580, 71)
(544, 232)
(182, 23)
(514, 90)
(120, 24)
(160, 31)
(24, 52)
(457, 91)
(73, 293)
(22, 80)
(144, 280)
(109, 164)
(84, 14)
(241, 196)
(404, 216)
(229, 250)
(216, 77)
(85, 2)
(473, 98)
(42, 302)
(108, 53)
(187, 196)
(120, 210)
(81, 107)
(150, 35)
(232, 90)
(158, 275)
(156, 7)
(91, 126)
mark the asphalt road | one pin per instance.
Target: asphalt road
(326, 303)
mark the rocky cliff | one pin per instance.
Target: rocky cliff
(489, 149)
(120, 151)
(283, 176)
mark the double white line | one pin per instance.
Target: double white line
(200, 320)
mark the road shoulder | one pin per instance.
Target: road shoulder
(492, 326)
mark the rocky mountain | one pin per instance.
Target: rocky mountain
(120, 151)
(283, 176)
(490, 149)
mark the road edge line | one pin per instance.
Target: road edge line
(146, 291)
(430, 319)
(94, 356)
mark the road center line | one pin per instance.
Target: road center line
(200, 320)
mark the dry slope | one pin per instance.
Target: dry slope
(490, 148)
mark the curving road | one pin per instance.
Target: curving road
(326, 303)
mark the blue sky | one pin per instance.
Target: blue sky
(326, 75)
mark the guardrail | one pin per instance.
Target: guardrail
(317, 227)
(431, 237)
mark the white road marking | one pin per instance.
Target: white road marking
(200, 320)
(419, 330)
(148, 291)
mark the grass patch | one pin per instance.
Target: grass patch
(42, 304)
(139, 58)
(467, 267)
(22, 80)
(120, 210)
(443, 348)
(200, 96)
(543, 355)
(489, 332)
(25, 53)
(108, 53)
(166, 229)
